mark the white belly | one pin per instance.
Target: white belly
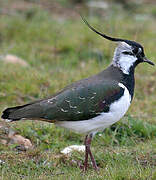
(104, 120)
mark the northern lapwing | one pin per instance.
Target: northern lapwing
(92, 104)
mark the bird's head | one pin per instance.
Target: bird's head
(128, 54)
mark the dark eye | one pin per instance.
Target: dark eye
(128, 53)
(135, 50)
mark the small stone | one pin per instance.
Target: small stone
(69, 149)
(8, 136)
(99, 4)
(18, 139)
(2, 162)
(9, 58)
(3, 141)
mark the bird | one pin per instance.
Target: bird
(92, 104)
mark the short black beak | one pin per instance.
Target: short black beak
(148, 61)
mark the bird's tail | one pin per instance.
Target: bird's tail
(28, 111)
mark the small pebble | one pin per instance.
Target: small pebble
(69, 149)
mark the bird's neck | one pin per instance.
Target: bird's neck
(127, 80)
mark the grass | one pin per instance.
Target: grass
(61, 50)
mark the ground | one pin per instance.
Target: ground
(59, 49)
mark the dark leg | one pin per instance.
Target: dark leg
(86, 154)
(87, 143)
(92, 158)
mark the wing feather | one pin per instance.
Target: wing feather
(82, 102)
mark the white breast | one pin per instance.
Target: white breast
(104, 120)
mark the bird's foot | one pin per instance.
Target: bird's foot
(95, 167)
(85, 168)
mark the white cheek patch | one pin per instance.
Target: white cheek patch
(125, 62)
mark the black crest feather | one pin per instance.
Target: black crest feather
(131, 43)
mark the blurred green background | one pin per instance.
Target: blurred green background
(44, 46)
